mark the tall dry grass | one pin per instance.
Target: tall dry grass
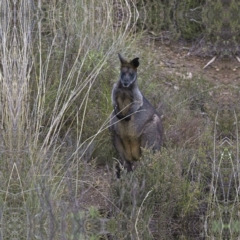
(52, 54)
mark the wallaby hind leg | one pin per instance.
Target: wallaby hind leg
(120, 148)
(129, 166)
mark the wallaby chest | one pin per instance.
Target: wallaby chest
(128, 129)
(124, 100)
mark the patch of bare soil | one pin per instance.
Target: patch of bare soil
(218, 70)
(96, 191)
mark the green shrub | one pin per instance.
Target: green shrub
(166, 186)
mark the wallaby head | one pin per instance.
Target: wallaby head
(128, 74)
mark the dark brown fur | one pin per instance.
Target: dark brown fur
(134, 123)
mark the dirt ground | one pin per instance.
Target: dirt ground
(220, 71)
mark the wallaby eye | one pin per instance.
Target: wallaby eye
(122, 75)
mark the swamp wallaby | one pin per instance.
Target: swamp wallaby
(134, 123)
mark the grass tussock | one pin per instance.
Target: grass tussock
(55, 75)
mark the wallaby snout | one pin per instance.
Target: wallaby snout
(128, 76)
(134, 123)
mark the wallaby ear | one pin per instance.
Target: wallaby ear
(135, 62)
(122, 60)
